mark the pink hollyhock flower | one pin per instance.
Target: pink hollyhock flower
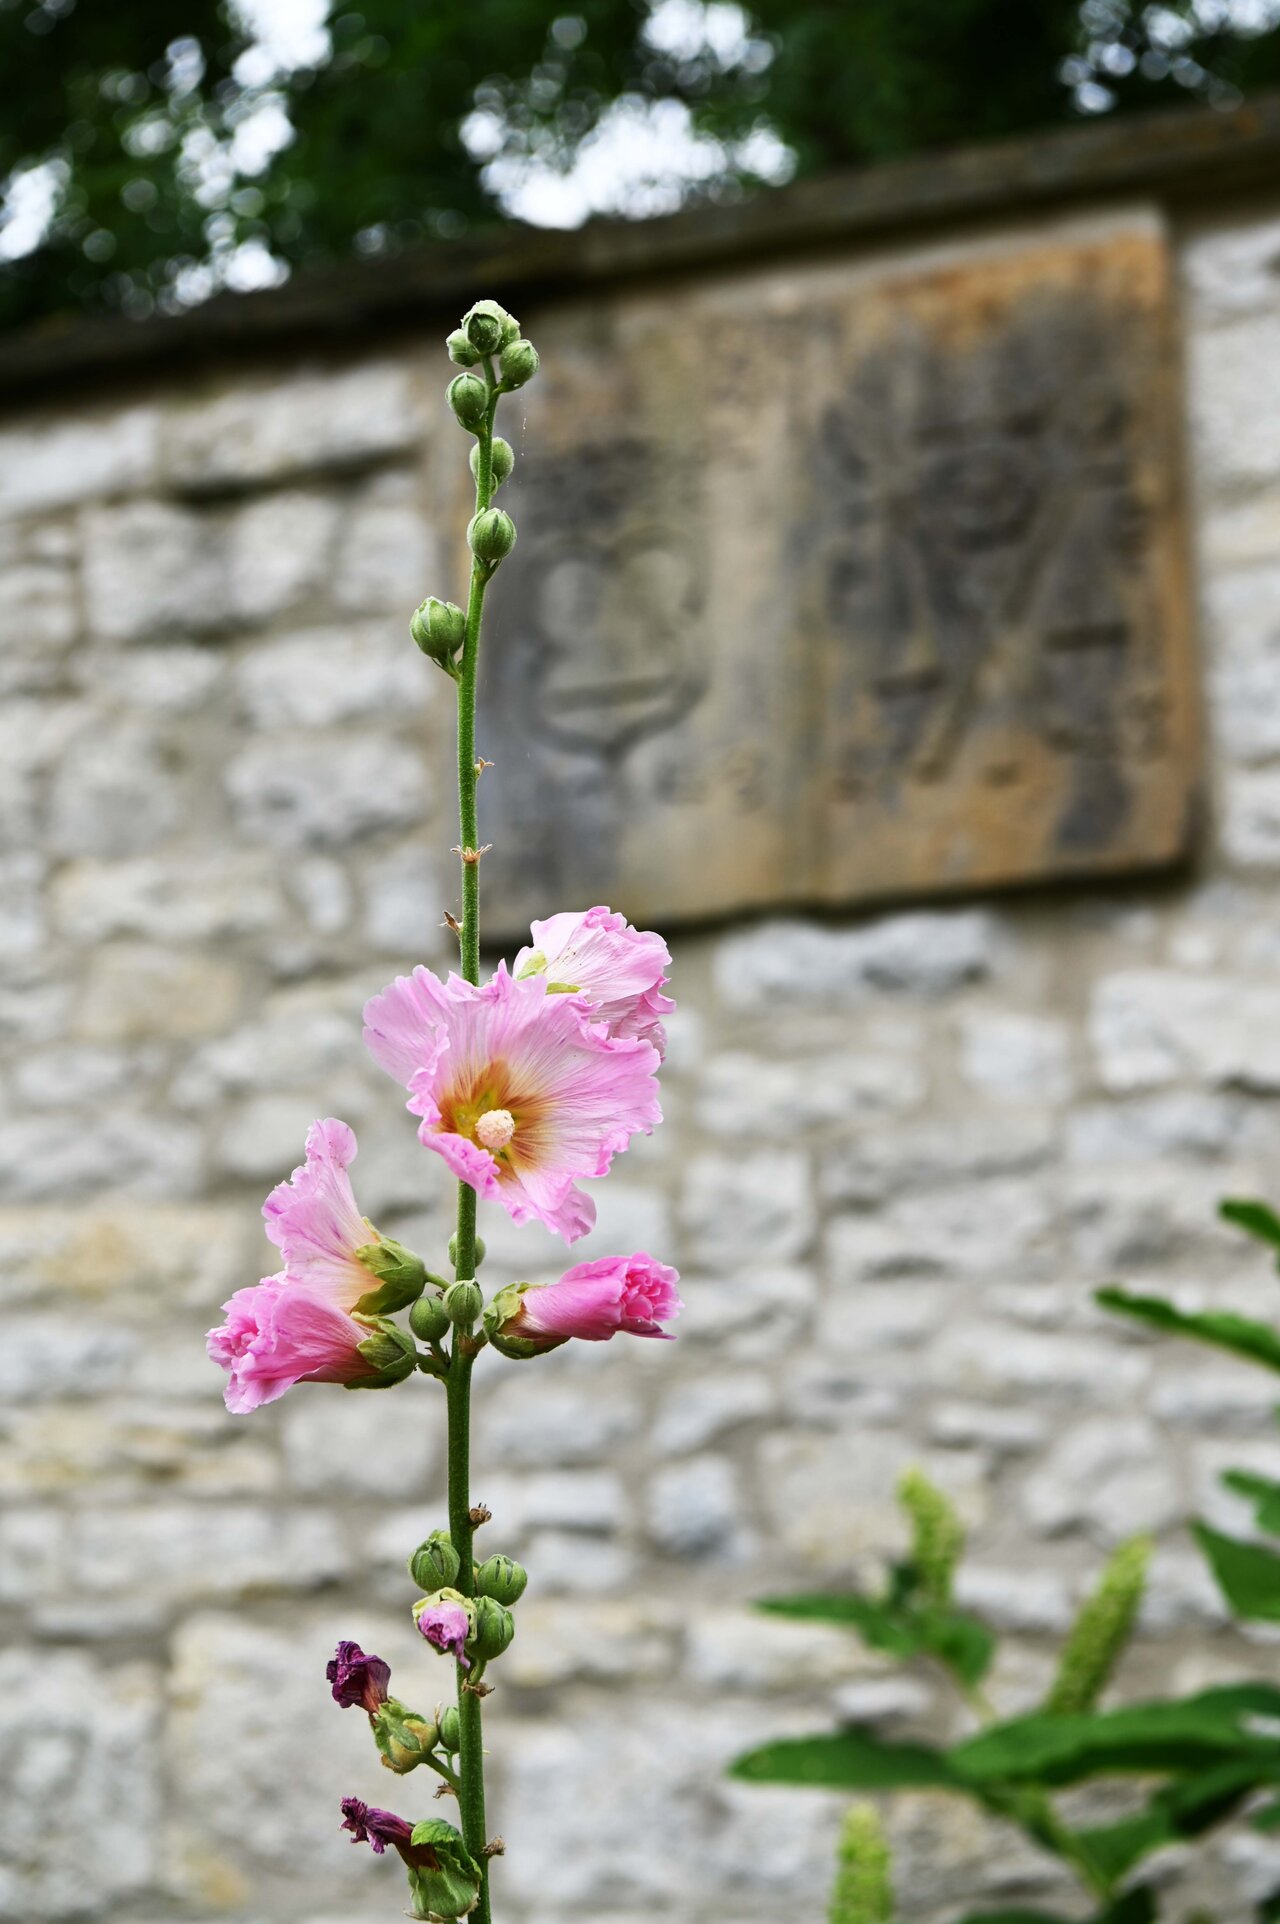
(279, 1333)
(592, 1301)
(519, 1091)
(446, 1625)
(358, 1681)
(313, 1220)
(619, 970)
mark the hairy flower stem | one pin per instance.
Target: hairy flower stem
(458, 1380)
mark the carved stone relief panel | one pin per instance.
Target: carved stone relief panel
(839, 583)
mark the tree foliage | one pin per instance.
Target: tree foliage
(172, 156)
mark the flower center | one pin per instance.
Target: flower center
(495, 1128)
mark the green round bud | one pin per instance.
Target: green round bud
(501, 1578)
(495, 1627)
(439, 628)
(503, 460)
(434, 1565)
(463, 1302)
(461, 352)
(453, 1250)
(469, 399)
(489, 327)
(518, 363)
(447, 1724)
(491, 535)
(429, 1319)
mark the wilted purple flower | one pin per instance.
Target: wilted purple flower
(359, 1682)
(374, 1827)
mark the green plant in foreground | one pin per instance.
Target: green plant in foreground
(1200, 1759)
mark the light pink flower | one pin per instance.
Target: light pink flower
(313, 1220)
(279, 1333)
(446, 1627)
(594, 1301)
(620, 970)
(562, 1095)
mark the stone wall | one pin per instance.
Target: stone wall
(900, 1152)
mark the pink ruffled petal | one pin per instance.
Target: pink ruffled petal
(313, 1219)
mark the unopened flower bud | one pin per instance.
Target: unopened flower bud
(447, 1620)
(439, 628)
(400, 1276)
(469, 399)
(388, 1349)
(492, 535)
(447, 1724)
(463, 1302)
(434, 1565)
(502, 460)
(461, 352)
(518, 363)
(501, 1578)
(402, 1737)
(429, 1319)
(505, 1327)
(489, 327)
(494, 1628)
(480, 1250)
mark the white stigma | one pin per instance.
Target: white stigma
(495, 1128)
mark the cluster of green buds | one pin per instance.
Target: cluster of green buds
(473, 1629)
(489, 339)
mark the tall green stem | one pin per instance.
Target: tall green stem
(458, 1381)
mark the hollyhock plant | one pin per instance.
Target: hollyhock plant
(592, 1301)
(523, 1085)
(617, 969)
(518, 1091)
(280, 1333)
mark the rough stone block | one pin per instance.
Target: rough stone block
(728, 672)
(152, 569)
(319, 418)
(328, 675)
(81, 1779)
(748, 1208)
(325, 792)
(55, 462)
(783, 963)
(279, 552)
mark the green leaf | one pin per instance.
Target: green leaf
(1138, 1907)
(1177, 1811)
(1198, 1734)
(899, 1628)
(1254, 1218)
(847, 1760)
(1248, 1574)
(1014, 1917)
(1262, 1492)
(1239, 1334)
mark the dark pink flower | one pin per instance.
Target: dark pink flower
(520, 1092)
(619, 970)
(377, 1828)
(446, 1625)
(594, 1301)
(359, 1682)
(280, 1333)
